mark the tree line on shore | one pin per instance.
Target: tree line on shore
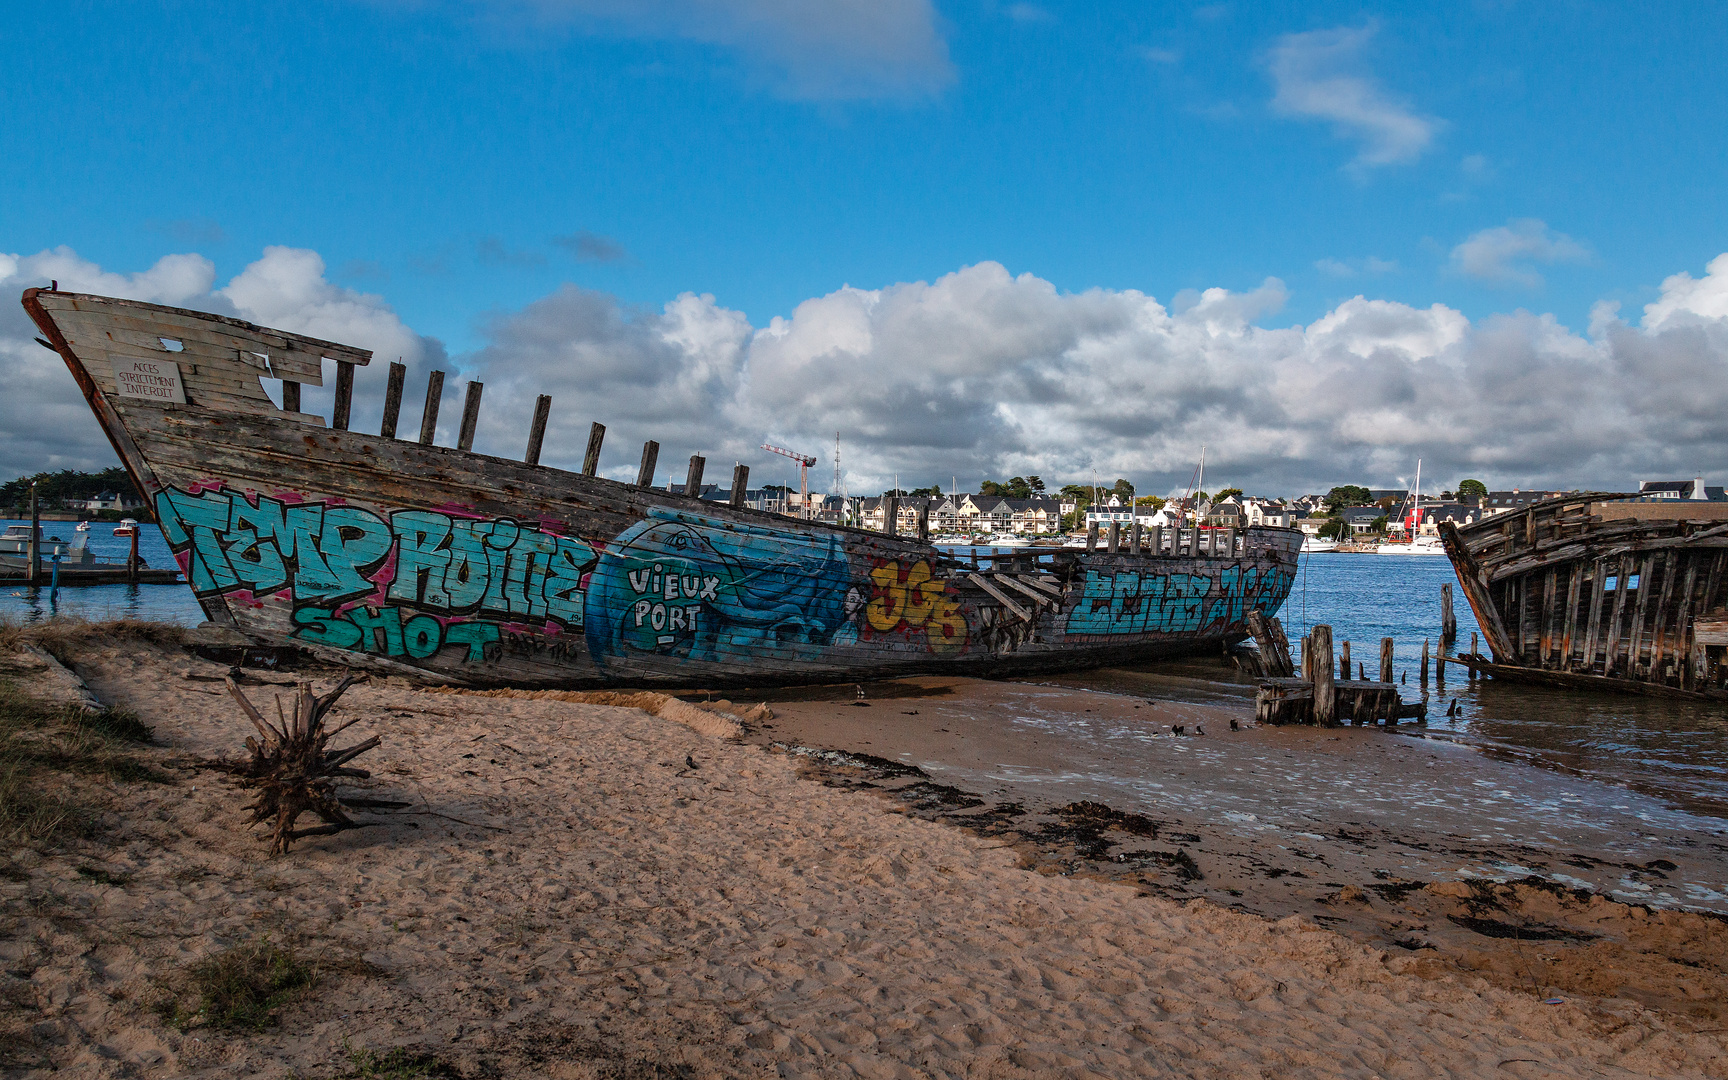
(70, 489)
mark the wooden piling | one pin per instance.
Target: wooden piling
(1386, 660)
(1134, 537)
(1325, 697)
(591, 459)
(693, 478)
(429, 417)
(1091, 536)
(132, 556)
(891, 515)
(1344, 661)
(470, 415)
(1448, 624)
(1280, 644)
(1115, 536)
(650, 457)
(393, 399)
(1424, 676)
(1274, 650)
(1157, 540)
(924, 521)
(537, 430)
(35, 549)
(344, 396)
(740, 482)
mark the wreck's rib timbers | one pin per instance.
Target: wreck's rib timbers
(470, 568)
(1600, 590)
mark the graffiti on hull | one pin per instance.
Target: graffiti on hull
(406, 586)
(1139, 602)
(912, 599)
(701, 589)
(449, 586)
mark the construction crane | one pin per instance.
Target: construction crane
(804, 462)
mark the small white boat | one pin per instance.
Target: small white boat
(15, 550)
(1313, 544)
(1008, 540)
(83, 526)
(127, 527)
(1422, 545)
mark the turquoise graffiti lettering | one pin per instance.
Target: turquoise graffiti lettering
(488, 567)
(391, 631)
(324, 552)
(1138, 602)
(450, 574)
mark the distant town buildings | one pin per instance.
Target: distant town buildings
(1043, 515)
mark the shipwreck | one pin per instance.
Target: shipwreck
(435, 561)
(1600, 590)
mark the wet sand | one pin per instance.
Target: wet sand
(1388, 837)
(582, 889)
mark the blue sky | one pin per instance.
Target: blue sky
(461, 162)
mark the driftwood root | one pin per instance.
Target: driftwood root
(293, 769)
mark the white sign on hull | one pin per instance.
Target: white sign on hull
(149, 380)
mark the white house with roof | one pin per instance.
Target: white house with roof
(1103, 512)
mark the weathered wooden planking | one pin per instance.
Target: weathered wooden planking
(197, 324)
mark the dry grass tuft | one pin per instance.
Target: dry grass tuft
(63, 632)
(240, 988)
(401, 1063)
(43, 748)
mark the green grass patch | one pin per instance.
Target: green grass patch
(240, 988)
(401, 1063)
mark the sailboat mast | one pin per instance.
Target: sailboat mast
(1416, 506)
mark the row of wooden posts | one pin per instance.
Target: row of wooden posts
(1323, 695)
(1182, 541)
(471, 418)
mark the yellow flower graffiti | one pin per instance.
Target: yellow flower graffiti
(916, 600)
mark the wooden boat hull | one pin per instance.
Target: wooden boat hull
(1600, 591)
(476, 569)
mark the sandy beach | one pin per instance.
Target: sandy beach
(908, 889)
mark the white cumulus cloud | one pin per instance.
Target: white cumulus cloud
(1320, 75)
(45, 423)
(1502, 255)
(982, 373)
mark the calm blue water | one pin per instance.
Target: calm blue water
(1672, 749)
(163, 603)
